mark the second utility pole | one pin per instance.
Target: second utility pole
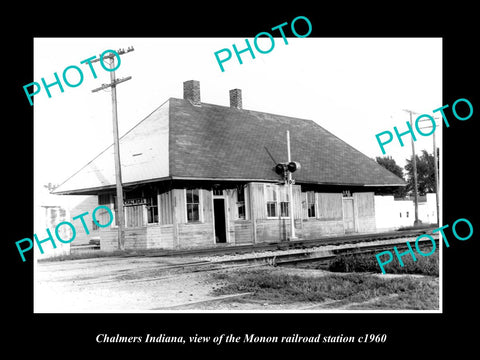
(414, 164)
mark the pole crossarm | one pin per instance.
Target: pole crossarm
(117, 81)
(112, 55)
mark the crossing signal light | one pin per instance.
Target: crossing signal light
(282, 168)
(293, 166)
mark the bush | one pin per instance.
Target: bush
(276, 287)
(368, 263)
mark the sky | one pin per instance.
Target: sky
(353, 87)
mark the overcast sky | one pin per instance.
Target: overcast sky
(354, 88)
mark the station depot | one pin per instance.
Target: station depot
(203, 175)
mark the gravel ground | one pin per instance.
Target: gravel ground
(114, 285)
(142, 284)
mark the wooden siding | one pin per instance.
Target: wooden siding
(192, 234)
(179, 205)
(315, 228)
(329, 206)
(207, 205)
(135, 238)
(195, 235)
(364, 204)
(256, 229)
(135, 216)
(147, 237)
(276, 230)
(297, 201)
(231, 199)
(243, 232)
(160, 237)
(240, 231)
(328, 218)
(165, 208)
(257, 203)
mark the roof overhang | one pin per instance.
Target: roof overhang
(95, 190)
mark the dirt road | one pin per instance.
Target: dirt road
(145, 284)
(136, 284)
(115, 285)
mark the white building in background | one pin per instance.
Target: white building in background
(50, 210)
(393, 214)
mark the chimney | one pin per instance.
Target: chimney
(236, 98)
(191, 91)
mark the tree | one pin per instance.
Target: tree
(425, 173)
(389, 163)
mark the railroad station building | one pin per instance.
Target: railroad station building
(202, 175)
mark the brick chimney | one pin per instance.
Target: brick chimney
(191, 91)
(236, 98)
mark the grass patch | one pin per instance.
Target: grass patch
(277, 288)
(428, 265)
(87, 255)
(417, 227)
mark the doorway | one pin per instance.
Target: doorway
(348, 215)
(219, 220)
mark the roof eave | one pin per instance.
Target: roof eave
(94, 190)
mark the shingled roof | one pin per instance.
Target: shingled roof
(183, 140)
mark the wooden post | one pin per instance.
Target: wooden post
(415, 186)
(290, 191)
(173, 204)
(120, 214)
(435, 159)
(118, 169)
(253, 214)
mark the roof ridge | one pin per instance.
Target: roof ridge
(249, 110)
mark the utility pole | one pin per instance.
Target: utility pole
(290, 191)
(119, 213)
(437, 188)
(435, 159)
(414, 164)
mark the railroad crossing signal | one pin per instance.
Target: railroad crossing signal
(285, 168)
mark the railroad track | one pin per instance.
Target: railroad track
(324, 259)
(320, 254)
(284, 245)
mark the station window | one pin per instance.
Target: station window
(276, 198)
(271, 199)
(193, 205)
(241, 203)
(152, 210)
(284, 209)
(311, 204)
